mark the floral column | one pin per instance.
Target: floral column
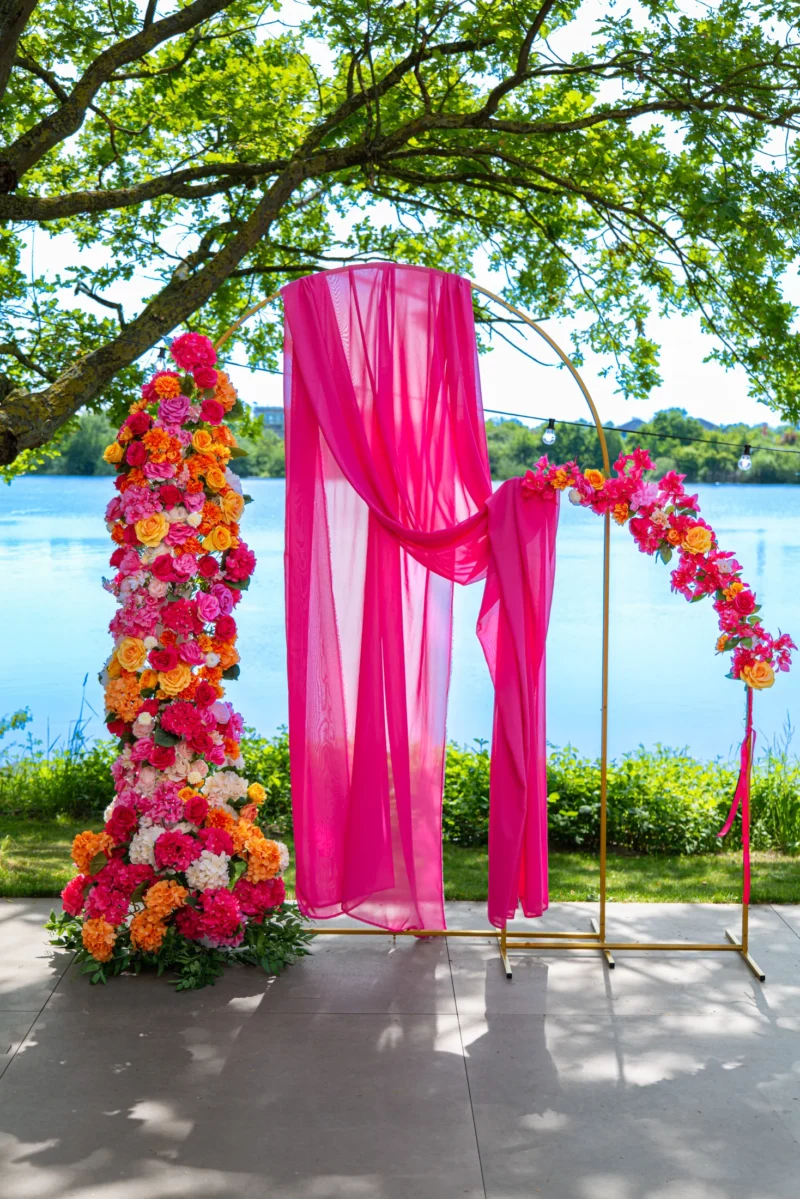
(182, 875)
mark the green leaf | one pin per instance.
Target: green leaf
(237, 869)
(97, 863)
(162, 737)
(232, 672)
(238, 452)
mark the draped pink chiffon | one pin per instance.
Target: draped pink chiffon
(389, 501)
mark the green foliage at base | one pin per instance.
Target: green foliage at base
(271, 946)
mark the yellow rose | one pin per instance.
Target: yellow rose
(148, 679)
(113, 453)
(232, 506)
(759, 676)
(114, 669)
(215, 478)
(256, 792)
(131, 653)
(594, 478)
(172, 682)
(218, 539)
(153, 529)
(697, 540)
(201, 440)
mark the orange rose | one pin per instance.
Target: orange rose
(215, 478)
(201, 440)
(594, 478)
(153, 529)
(759, 675)
(176, 680)
(113, 453)
(131, 653)
(232, 506)
(148, 679)
(218, 539)
(673, 537)
(697, 540)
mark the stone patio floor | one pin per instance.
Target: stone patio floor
(414, 1071)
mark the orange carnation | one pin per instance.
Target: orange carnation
(219, 818)
(166, 387)
(118, 534)
(98, 937)
(225, 392)
(620, 512)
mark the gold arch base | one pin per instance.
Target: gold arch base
(513, 940)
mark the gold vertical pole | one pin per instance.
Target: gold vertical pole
(604, 721)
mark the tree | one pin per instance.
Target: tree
(609, 167)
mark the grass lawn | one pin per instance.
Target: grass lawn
(34, 860)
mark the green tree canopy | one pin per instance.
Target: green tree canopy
(609, 167)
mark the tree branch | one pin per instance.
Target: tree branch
(14, 16)
(67, 119)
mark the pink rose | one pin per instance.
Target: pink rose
(136, 454)
(174, 411)
(744, 602)
(193, 501)
(212, 411)
(138, 423)
(162, 756)
(196, 809)
(191, 653)
(185, 565)
(178, 533)
(224, 598)
(165, 659)
(207, 606)
(170, 495)
(158, 470)
(162, 568)
(205, 377)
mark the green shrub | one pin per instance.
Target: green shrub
(659, 801)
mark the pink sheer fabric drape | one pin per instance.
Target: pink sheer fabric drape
(389, 501)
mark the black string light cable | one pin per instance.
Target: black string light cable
(745, 462)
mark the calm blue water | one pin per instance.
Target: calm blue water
(666, 683)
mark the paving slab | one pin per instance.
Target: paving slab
(412, 1070)
(274, 1104)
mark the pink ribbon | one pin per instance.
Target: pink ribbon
(742, 794)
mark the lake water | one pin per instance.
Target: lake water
(667, 685)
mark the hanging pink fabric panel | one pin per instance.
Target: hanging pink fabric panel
(389, 501)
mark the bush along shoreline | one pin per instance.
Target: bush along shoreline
(660, 801)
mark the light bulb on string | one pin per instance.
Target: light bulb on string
(549, 435)
(745, 462)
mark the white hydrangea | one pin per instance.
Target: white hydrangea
(209, 870)
(142, 845)
(224, 784)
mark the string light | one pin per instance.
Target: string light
(549, 435)
(745, 462)
(582, 424)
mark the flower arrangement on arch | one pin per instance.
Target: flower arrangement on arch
(665, 521)
(182, 874)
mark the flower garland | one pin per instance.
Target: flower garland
(181, 874)
(664, 520)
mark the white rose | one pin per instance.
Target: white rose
(194, 519)
(150, 642)
(212, 659)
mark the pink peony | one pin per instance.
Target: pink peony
(176, 851)
(191, 350)
(240, 563)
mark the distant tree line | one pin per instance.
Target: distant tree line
(513, 447)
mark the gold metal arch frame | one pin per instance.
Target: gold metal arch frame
(513, 940)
